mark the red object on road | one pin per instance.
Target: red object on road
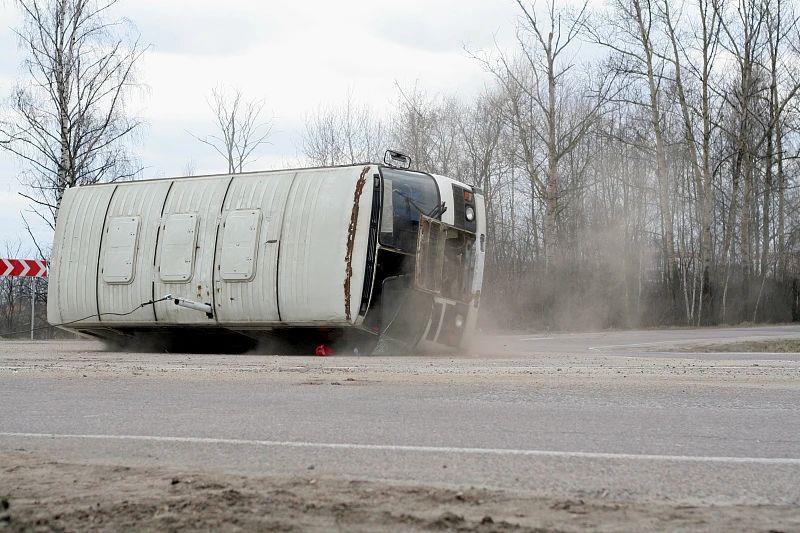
(24, 268)
(323, 350)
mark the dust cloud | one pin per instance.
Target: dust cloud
(606, 283)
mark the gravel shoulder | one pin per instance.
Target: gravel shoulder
(89, 359)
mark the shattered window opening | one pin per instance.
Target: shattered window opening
(406, 197)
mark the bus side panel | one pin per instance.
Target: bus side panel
(73, 277)
(53, 307)
(324, 245)
(142, 202)
(255, 299)
(193, 206)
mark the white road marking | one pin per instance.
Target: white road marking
(419, 449)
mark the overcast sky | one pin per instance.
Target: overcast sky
(293, 54)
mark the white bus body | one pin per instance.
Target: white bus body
(302, 255)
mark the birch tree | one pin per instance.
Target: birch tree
(539, 84)
(698, 115)
(67, 120)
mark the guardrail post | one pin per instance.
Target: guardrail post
(33, 304)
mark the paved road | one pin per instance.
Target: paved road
(604, 414)
(643, 343)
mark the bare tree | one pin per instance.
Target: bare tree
(347, 133)
(413, 124)
(241, 127)
(784, 84)
(784, 28)
(480, 128)
(698, 138)
(539, 86)
(631, 36)
(746, 44)
(67, 121)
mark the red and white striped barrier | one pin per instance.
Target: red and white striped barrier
(23, 268)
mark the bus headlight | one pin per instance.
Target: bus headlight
(459, 321)
(469, 212)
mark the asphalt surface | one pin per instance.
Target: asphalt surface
(643, 343)
(609, 415)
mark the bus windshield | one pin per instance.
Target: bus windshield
(406, 196)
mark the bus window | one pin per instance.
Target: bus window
(406, 196)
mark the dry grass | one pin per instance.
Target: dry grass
(770, 346)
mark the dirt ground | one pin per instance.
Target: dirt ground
(38, 494)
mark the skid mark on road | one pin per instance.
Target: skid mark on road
(417, 449)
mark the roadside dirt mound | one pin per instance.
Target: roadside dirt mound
(37, 494)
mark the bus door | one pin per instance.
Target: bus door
(445, 268)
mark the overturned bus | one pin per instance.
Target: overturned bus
(283, 260)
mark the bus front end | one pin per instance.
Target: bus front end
(429, 261)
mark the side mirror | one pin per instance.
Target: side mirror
(397, 160)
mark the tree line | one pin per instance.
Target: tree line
(653, 184)
(639, 160)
